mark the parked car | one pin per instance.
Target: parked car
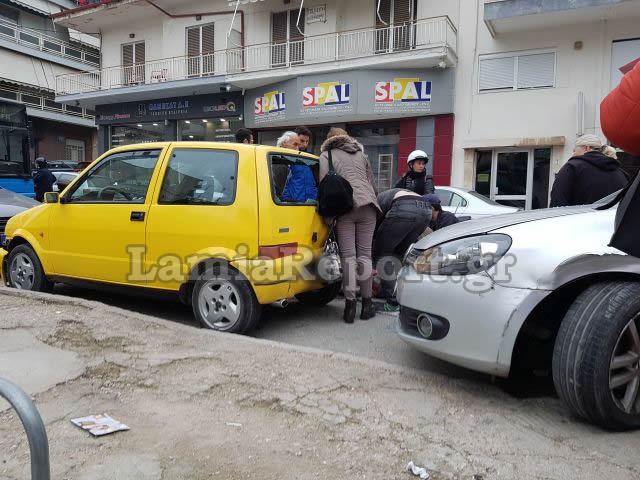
(200, 219)
(60, 166)
(63, 179)
(12, 203)
(464, 202)
(532, 291)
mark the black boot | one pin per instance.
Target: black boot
(368, 309)
(350, 307)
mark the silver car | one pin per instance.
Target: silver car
(467, 203)
(531, 291)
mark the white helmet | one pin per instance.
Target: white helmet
(417, 155)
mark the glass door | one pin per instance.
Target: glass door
(511, 177)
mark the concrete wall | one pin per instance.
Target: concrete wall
(532, 114)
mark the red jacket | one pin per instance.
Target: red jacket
(620, 113)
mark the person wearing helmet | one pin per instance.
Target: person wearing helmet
(416, 178)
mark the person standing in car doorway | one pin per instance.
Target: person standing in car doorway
(588, 176)
(416, 178)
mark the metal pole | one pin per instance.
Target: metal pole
(33, 426)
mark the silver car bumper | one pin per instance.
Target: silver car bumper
(482, 326)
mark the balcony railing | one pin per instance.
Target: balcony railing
(46, 43)
(44, 103)
(434, 33)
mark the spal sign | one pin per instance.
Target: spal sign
(270, 103)
(403, 90)
(330, 93)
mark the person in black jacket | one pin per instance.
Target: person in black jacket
(416, 179)
(588, 176)
(43, 179)
(439, 218)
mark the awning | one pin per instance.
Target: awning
(30, 71)
(39, 6)
(84, 38)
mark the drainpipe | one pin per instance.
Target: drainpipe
(204, 14)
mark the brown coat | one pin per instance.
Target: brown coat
(351, 164)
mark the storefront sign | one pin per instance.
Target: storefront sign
(316, 14)
(403, 95)
(182, 108)
(329, 97)
(269, 107)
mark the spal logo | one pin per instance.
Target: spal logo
(270, 103)
(403, 90)
(329, 93)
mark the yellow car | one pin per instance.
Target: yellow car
(215, 222)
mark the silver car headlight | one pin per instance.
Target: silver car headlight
(465, 256)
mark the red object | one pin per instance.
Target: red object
(407, 145)
(620, 113)
(629, 66)
(278, 251)
(443, 150)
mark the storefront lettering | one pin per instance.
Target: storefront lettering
(330, 93)
(403, 90)
(162, 106)
(117, 116)
(271, 102)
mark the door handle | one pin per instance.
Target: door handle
(314, 237)
(137, 216)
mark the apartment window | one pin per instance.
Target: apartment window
(9, 14)
(200, 48)
(517, 71)
(394, 24)
(133, 58)
(287, 37)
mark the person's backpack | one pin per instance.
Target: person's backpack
(335, 194)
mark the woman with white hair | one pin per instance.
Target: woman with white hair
(588, 176)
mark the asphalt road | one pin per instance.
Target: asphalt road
(318, 327)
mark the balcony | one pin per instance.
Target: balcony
(509, 16)
(422, 44)
(37, 41)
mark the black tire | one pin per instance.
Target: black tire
(319, 298)
(25, 272)
(228, 290)
(601, 325)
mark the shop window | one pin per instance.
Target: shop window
(133, 59)
(517, 72)
(200, 177)
(136, 133)
(208, 130)
(200, 48)
(120, 178)
(384, 172)
(294, 179)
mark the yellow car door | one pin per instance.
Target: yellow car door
(205, 206)
(290, 229)
(98, 227)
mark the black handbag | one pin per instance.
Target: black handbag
(626, 236)
(335, 194)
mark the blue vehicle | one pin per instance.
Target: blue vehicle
(15, 166)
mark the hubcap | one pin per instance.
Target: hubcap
(22, 272)
(219, 304)
(624, 371)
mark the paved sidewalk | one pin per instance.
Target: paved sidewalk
(205, 405)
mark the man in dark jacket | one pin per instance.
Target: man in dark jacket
(416, 178)
(588, 176)
(439, 218)
(43, 179)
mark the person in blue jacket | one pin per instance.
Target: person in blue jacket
(301, 185)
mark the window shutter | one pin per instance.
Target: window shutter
(139, 53)
(279, 27)
(127, 55)
(294, 33)
(497, 73)
(401, 11)
(536, 70)
(208, 39)
(193, 42)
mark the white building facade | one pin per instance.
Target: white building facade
(530, 79)
(33, 51)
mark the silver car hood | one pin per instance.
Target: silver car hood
(12, 203)
(484, 225)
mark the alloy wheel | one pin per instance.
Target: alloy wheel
(624, 370)
(219, 304)
(22, 272)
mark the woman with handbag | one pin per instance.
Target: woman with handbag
(344, 157)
